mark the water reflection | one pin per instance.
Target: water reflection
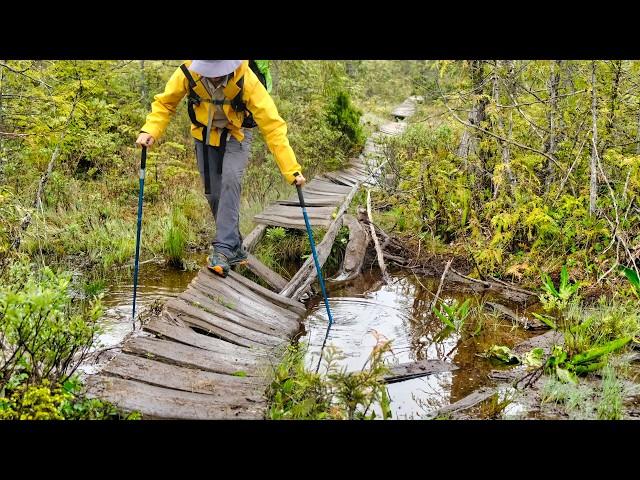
(400, 312)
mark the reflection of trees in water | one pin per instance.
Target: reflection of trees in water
(474, 370)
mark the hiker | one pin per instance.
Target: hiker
(226, 100)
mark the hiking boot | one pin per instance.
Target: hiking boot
(220, 264)
(239, 256)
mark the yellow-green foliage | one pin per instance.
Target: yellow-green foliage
(519, 197)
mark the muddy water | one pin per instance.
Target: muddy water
(156, 284)
(399, 312)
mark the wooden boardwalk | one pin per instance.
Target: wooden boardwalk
(210, 352)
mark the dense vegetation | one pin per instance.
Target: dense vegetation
(68, 192)
(520, 167)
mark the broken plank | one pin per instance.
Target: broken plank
(157, 402)
(168, 328)
(235, 289)
(296, 212)
(310, 203)
(265, 273)
(251, 240)
(199, 298)
(283, 301)
(467, 402)
(406, 371)
(221, 327)
(307, 273)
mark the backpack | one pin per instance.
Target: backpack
(259, 67)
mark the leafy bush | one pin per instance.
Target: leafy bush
(44, 334)
(343, 116)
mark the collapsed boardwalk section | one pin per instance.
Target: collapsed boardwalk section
(210, 352)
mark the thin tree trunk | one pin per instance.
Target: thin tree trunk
(551, 145)
(593, 185)
(610, 125)
(469, 141)
(143, 85)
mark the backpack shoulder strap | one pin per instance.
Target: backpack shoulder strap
(193, 97)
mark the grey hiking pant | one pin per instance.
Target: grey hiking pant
(224, 198)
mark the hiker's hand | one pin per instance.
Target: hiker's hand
(299, 180)
(145, 140)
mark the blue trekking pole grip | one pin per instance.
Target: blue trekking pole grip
(314, 253)
(143, 166)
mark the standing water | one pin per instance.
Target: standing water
(400, 311)
(156, 285)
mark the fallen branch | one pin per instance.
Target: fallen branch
(444, 274)
(376, 243)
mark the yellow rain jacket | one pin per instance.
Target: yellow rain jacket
(255, 97)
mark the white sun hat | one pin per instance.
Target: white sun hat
(214, 68)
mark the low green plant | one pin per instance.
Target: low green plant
(297, 393)
(176, 237)
(558, 298)
(632, 276)
(453, 316)
(610, 406)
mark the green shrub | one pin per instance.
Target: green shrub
(44, 333)
(343, 116)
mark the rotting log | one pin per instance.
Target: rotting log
(355, 252)
(254, 237)
(407, 371)
(307, 274)
(523, 321)
(265, 273)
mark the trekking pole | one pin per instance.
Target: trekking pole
(143, 165)
(315, 254)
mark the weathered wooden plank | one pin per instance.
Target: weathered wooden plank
(157, 402)
(406, 371)
(355, 252)
(283, 301)
(265, 273)
(192, 357)
(393, 128)
(252, 312)
(467, 402)
(233, 289)
(296, 212)
(168, 328)
(545, 341)
(245, 315)
(291, 223)
(307, 273)
(238, 315)
(211, 329)
(326, 186)
(338, 178)
(153, 372)
(221, 327)
(311, 203)
(251, 240)
(318, 197)
(322, 193)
